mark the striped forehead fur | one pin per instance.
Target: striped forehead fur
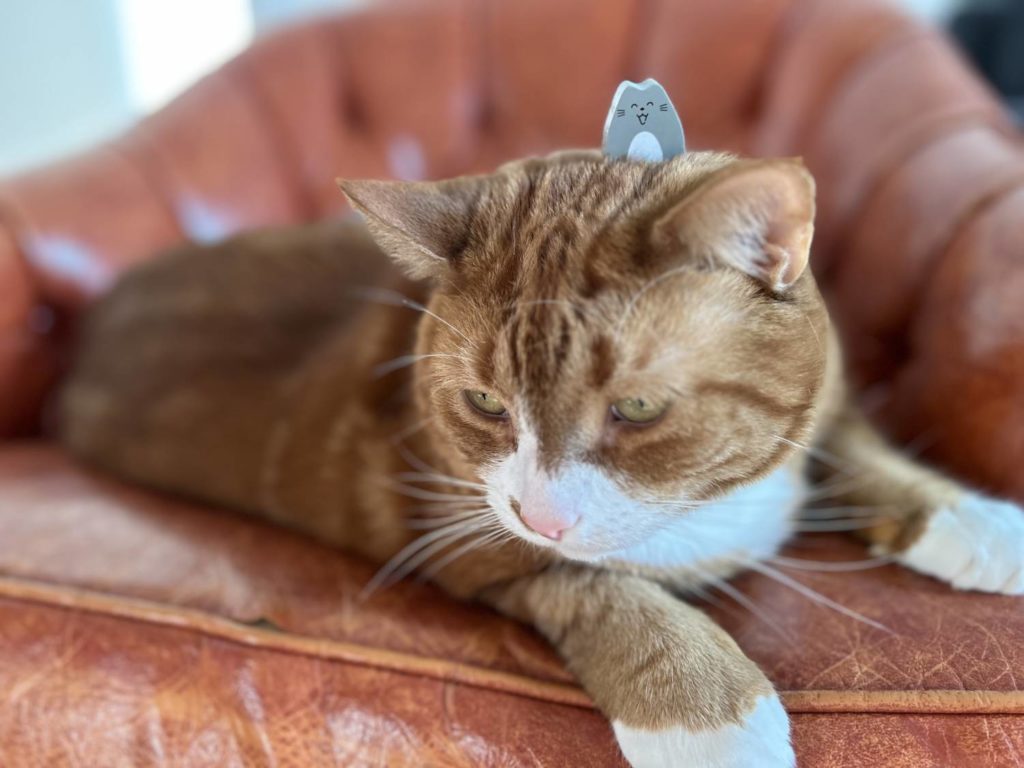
(550, 219)
(562, 304)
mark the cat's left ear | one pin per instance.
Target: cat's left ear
(754, 215)
(424, 226)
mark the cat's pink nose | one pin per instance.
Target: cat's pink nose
(547, 520)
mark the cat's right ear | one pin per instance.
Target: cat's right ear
(754, 215)
(424, 226)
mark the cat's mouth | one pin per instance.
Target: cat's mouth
(642, 119)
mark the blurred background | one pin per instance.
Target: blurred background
(73, 72)
(76, 71)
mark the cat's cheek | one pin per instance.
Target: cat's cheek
(479, 441)
(762, 739)
(977, 544)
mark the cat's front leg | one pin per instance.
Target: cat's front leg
(925, 520)
(677, 688)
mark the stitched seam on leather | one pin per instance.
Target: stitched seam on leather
(141, 610)
(928, 702)
(797, 702)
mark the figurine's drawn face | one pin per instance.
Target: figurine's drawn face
(642, 124)
(640, 104)
(643, 111)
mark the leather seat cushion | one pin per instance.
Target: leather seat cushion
(197, 629)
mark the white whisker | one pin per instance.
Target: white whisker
(833, 526)
(419, 307)
(393, 298)
(811, 594)
(406, 360)
(426, 523)
(848, 512)
(836, 488)
(436, 477)
(820, 454)
(428, 552)
(396, 568)
(479, 542)
(684, 505)
(415, 461)
(419, 493)
(830, 566)
(631, 305)
(817, 338)
(410, 430)
(435, 507)
(728, 589)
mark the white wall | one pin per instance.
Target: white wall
(166, 45)
(75, 71)
(62, 83)
(269, 13)
(937, 10)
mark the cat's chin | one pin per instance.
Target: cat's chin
(569, 550)
(583, 554)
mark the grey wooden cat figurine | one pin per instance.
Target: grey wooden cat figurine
(642, 124)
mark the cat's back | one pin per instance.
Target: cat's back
(291, 273)
(191, 353)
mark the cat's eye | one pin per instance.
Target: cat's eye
(637, 410)
(486, 403)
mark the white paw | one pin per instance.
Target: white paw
(978, 544)
(761, 740)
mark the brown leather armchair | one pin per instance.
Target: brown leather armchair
(138, 630)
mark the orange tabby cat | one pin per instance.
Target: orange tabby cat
(624, 366)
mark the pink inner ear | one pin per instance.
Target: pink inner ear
(756, 216)
(416, 222)
(787, 248)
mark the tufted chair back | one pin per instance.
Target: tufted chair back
(920, 172)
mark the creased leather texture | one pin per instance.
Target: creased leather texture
(137, 630)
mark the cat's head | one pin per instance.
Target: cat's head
(610, 341)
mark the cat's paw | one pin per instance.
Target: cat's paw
(977, 544)
(762, 739)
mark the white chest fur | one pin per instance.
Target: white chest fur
(751, 523)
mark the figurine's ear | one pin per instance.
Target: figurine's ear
(424, 226)
(755, 215)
